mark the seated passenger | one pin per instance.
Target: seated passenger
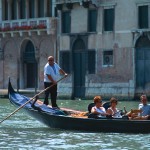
(112, 110)
(98, 109)
(144, 113)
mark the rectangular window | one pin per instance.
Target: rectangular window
(55, 12)
(109, 19)
(91, 61)
(14, 10)
(65, 61)
(92, 20)
(49, 8)
(31, 9)
(22, 9)
(66, 22)
(143, 17)
(108, 58)
(5, 10)
(41, 8)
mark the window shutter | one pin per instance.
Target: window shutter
(49, 8)
(143, 17)
(65, 61)
(66, 22)
(108, 19)
(22, 9)
(41, 8)
(91, 62)
(92, 21)
(14, 10)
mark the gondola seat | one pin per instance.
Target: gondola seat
(90, 107)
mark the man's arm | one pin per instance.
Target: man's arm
(63, 72)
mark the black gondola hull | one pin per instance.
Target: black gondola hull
(91, 125)
(56, 119)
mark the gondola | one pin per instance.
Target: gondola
(66, 119)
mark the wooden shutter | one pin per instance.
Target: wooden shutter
(91, 62)
(49, 8)
(5, 10)
(109, 19)
(66, 22)
(22, 9)
(14, 10)
(65, 61)
(41, 8)
(31, 9)
(143, 17)
(92, 20)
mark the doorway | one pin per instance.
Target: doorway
(79, 68)
(143, 64)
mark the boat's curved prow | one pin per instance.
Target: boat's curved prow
(10, 88)
(30, 104)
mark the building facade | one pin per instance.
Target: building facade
(103, 45)
(27, 37)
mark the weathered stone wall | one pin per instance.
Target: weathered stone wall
(118, 79)
(112, 80)
(12, 64)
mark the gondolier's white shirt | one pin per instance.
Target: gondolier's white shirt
(50, 71)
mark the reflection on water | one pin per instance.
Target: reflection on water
(21, 132)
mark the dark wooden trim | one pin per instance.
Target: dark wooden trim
(69, 5)
(59, 6)
(86, 4)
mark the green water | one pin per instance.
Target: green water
(21, 132)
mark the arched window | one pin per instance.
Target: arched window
(29, 54)
(30, 66)
(143, 41)
(79, 44)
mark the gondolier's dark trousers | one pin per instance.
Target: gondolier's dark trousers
(53, 92)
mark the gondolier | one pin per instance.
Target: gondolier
(52, 71)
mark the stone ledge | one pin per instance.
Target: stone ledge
(26, 92)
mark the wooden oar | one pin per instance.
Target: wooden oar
(31, 100)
